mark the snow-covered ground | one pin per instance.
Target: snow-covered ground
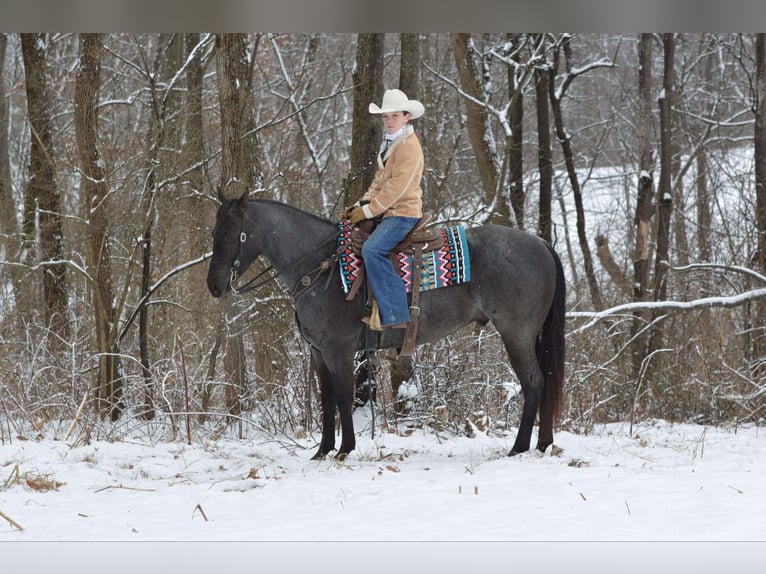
(660, 482)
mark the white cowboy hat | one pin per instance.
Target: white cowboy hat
(397, 101)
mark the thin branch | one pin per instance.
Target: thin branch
(666, 307)
(157, 285)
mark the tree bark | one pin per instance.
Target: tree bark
(664, 200)
(108, 387)
(240, 172)
(665, 191)
(479, 129)
(604, 255)
(366, 131)
(759, 136)
(240, 159)
(42, 188)
(409, 82)
(9, 227)
(645, 180)
(544, 154)
(149, 199)
(409, 70)
(644, 198)
(566, 148)
(760, 147)
(516, 141)
(194, 149)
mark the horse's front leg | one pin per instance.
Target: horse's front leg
(336, 384)
(327, 396)
(339, 364)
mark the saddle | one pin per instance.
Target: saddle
(421, 237)
(418, 241)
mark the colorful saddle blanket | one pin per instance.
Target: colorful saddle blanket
(449, 265)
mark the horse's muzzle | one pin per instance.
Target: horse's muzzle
(217, 287)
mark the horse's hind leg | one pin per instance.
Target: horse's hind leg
(524, 362)
(545, 430)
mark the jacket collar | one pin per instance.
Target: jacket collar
(407, 131)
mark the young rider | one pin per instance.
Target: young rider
(396, 195)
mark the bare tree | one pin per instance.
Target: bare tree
(665, 190)
(109, 385)
(161, 78)
(644, 198)
(479, 129)
(515, 143)
(543, 83)
(409, 70)
(42, 189)
(760, 175)
(9, 227)
(365, 132)
(556, 94)
(645, 188)
(664, 201)
(240, 173)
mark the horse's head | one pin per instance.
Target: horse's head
(232, 254)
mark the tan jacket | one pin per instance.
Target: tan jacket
(396, 190)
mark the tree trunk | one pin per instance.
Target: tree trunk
(42, 187)
(604, 254)
(366, 131)
(9, 227)
(566, 148)
(544, 155)
(479, 129)
(240, 172)
(149, 210)
(199, 211)
(664, 199)
(759, 322)
(240, 160)
(665, 191)
(409, 83)
(194, 150)
(108, 387)
(704, 215)
(644, 201)
(409, 70)
(171, 95)
(516, 141)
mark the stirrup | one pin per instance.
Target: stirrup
(373, 321)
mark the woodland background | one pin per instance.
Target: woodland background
(641, 157)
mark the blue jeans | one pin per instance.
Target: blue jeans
(384, 280)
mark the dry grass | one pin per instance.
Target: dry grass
(39, 482)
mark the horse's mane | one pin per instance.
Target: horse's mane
(282, 204)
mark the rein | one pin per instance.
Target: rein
(304, 282)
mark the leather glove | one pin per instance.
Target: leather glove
(346, 212)
(356, 215)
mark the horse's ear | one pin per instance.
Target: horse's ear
(221, 198)
(242, 201)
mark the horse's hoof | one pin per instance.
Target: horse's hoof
(514, 452)
(319, 455)
(542, 446)
(341, 456)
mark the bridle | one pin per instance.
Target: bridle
(249, 286)
(303, 284)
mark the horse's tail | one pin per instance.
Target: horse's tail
(550, 346)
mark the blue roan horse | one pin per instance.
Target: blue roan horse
(517, 283)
